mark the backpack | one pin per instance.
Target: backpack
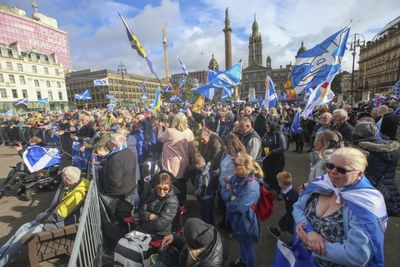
(263, 208)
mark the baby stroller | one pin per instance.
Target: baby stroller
(37, 172)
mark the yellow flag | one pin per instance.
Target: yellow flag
(199, 104)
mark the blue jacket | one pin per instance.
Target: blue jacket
(245, 225)
(356, 248)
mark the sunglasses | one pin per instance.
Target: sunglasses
(162, 188)
(340, 170)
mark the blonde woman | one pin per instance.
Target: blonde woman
(340, 216)
(240, 193)
(178, 150)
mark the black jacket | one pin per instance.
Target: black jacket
(389, 125)
(346, 130)
(118, 174)
(165, 208)
(212, 151)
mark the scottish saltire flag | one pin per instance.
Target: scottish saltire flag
(175, 99)
(43, 101)
(227, 92)
(211, 74)
(83, 96)
(270, 97)
(137, 46)
(206, 90)
(37, 158)
(295, 127)
(101, 82)
(319, 96)
(144, 96)
(292, 256)
(396, 89)
(111, 105)
(80, 159)
(110, 96)
(10, 112)
(23, 101)
(156, 105)
(228, 78)
(167, 89)
(142, 86)
(183, 66)
(313, 66)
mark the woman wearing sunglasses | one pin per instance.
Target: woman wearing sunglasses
(341, 217)
(240, 193)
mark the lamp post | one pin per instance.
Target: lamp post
(122, 70)
(358, 41)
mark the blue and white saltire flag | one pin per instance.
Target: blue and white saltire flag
(366, 203)
(270, 97)
(110, 96)
(206, 90)
(296, 255)
(313, 66)
(144, 96)
(37, 158)
(396, 89)
(319, 96)
(167, 89)
(101, 82)
(10, 112)
(43, 101)
(142, 86)
(295, 127)
(211, 74)
(183, 66)
(83, 96)
(80, 159)
(111, 105)
(175, 99)
(23, 101)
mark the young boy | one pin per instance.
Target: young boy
(290, 196)
(205, 187)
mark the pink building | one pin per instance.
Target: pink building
(39, 33)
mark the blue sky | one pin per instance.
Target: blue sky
(98, 40)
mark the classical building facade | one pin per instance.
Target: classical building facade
(125, 87)
(379, 62)
(31, 75)
(254, 75)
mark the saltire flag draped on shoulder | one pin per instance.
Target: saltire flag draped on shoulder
(270, 97)
(319, 96)
(295, 127)
(156, 105)
(313, 66)
(183, 66)
(37, 158)
(43, 101)
(199, 103)
(83, 96)
(101, 82)
(23, 101)
(110, 96)
(137, 45)
(10, 112)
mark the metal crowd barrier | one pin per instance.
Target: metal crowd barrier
(88, 244)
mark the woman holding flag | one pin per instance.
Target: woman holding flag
(341, 217)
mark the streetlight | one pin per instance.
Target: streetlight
(122, 70)
(358, 41)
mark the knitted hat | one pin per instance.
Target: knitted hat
(365, 130)
(197, 233)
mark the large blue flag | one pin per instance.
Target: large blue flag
(175, 99)
(37, 158)
(43, 101)
(83, 96)
(183, 66)
(295, 127)
(313, 66)
(23, 101)
(270, 97)
(137, 45)
(101, 82)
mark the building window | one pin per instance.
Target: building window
(21, 79)
(46, 70)
(9, 65)
(3, 92)
(58, 85)
(57, 72)
(19, 67)
(48, 84)
(24, 93)
(37, 83)
(14, 93)
(60, 95)
(34, 69)
(1, 78)
(11, 78)
(38, 95)
(50, 95)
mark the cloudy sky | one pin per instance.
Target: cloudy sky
(98, 40)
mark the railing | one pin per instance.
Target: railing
(88, 245)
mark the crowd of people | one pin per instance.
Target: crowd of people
(146, 159)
